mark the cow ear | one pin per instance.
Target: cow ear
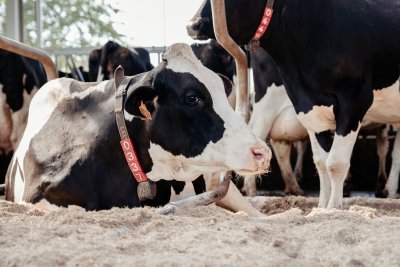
(227, 84)
(140, 102)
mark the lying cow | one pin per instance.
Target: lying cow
(104, 61)
(177, 117)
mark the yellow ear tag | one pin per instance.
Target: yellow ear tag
(145, 112)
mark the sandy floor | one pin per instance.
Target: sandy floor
(365, 233)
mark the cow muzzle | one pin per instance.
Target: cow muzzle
(195, 28)
(258, 160)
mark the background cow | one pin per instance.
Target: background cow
(111, 55)
(329, 70)
(20, 77)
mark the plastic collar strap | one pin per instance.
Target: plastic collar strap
(131, 158)
(266, 19)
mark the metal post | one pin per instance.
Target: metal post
(14, 19)
(39, 23)
(223, 38)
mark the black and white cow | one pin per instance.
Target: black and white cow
(273, 117)
(70, 152)
(280, 124)
(20, 77)
(111, 55)
(331, 55)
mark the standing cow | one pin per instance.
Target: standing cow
(332, 56)
(178, 119)
(20, 77)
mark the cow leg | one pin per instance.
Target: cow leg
(233, 200)
(393, 180)
(225, 194)
(6, 125)
(338, 164)
(301, 147)
(382, 148)
(249, 185)
(319, 157)
(261, 123)
(282, 153)
(205, 198)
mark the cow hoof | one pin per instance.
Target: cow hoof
(169, 209)
(297, 192)
(382, 193)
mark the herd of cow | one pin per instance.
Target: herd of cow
(324, 83)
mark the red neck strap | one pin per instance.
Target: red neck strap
(132, 160)
(266, 19)
(129, 151)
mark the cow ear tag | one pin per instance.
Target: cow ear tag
(145, 112)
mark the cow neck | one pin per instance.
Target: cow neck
(262, 27)
(146, 190)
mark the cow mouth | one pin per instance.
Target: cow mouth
(245, 172)
(199, 37)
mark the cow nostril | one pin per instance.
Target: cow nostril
(258, 156)
(259, 153)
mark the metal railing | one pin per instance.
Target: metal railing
(70, 52)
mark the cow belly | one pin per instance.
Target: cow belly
(385, 107)
(319, 119)
(287, 127)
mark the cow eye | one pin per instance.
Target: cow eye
(192, 100)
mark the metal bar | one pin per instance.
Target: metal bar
(206, 198)
(39, 23)
(31, 52)
(223, 38)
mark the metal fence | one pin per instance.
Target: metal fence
(64, 58)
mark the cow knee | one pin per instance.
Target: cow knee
(337, 169)
(319, 162)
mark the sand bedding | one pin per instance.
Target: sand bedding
(293, 233)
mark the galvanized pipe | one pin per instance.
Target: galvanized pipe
(203, 199)
(31, 52)
(223, 38)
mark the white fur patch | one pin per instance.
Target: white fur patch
(386, 106)
(319, 119)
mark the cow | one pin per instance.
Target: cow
(279, 124)
(216, 58)
(77, 73)
(103, 61)
(334, 58)
(20, 77)
(178, 119)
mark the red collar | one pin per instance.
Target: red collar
(145, 189)
(262, 28)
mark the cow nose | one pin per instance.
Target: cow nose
(262, 156)
(194, 26)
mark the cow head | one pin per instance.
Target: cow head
(242, 18)
(215, 57)
(193, 129)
